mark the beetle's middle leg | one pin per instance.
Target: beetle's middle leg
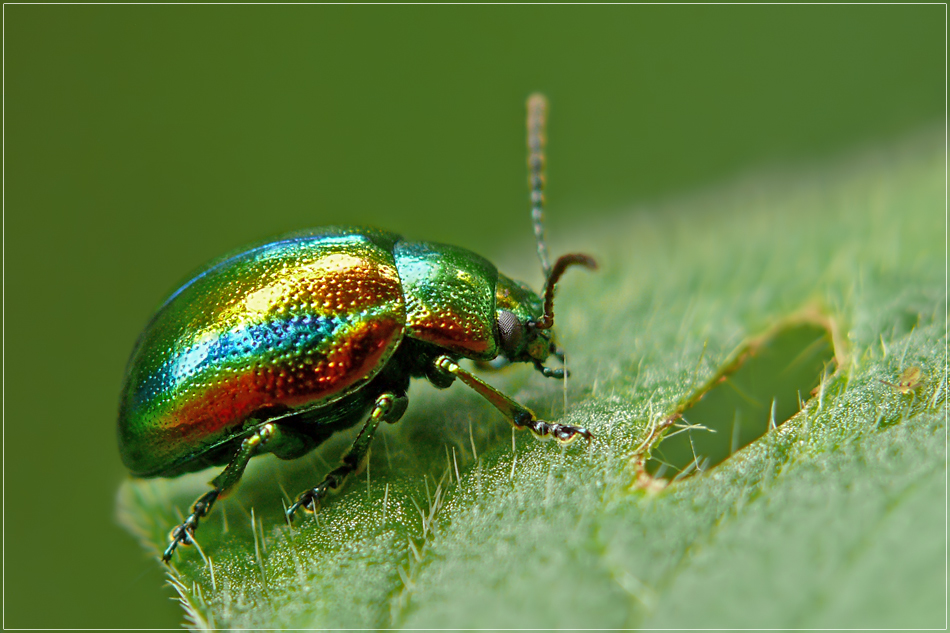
(221, 485)
(520, 416)
(389, 407)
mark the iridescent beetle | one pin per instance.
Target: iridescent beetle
(277, 347)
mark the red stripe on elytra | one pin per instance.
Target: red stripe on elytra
(237, 398)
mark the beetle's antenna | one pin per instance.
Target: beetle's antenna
(537, 139)
(563, 262)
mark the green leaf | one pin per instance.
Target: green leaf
(834, 519)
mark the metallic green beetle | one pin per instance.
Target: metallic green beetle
(277, 347)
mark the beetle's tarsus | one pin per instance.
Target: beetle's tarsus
(564, 434)
(309, 501)
(389, 408)
(551, 372)
(184, 533)
(181, 535)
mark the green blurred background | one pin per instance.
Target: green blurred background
(141, 141)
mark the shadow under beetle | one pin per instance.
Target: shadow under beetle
(274, 348)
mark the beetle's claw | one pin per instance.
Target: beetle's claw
(292, 510)
(308, 501)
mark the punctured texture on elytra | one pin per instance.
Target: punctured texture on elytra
(293, 322)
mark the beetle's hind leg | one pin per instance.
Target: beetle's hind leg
(389, 407)
(222, 484)
(520, 416)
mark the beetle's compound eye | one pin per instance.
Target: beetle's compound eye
(511, 332)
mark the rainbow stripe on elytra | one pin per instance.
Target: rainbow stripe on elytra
(288, 323)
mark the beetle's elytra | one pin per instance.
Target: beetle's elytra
(274, 349)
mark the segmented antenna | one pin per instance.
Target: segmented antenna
(546, 322)
(537, 139)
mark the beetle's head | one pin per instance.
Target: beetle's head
(525, 319)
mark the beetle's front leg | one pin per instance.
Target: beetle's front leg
(551, 372)
(520, 416)
(222, 484)
(389, 407)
